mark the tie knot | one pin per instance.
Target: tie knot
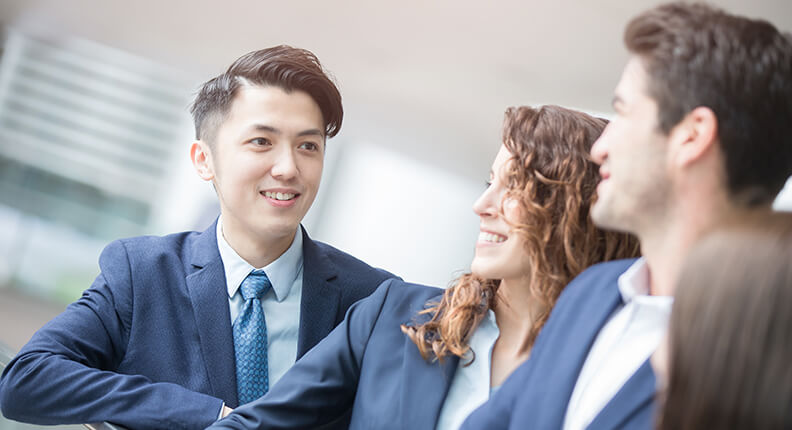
(255, 285)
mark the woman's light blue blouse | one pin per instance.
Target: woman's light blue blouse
(471, 385)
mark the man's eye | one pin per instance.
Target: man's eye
(260, 141)
(310, 146)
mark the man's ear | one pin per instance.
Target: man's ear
(694, 137)
(202, 160)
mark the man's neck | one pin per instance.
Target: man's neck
(664, 256)
(257, 251)
(667, 244)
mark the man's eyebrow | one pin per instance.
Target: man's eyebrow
(264, 127)
(311, 132)
(271, 129)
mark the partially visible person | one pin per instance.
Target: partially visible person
(701, 131)
(177, 329)
(412, 356)
(729, 348)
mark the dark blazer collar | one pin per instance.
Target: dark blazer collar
(425, 384)
(639, 388)
(574, 329)
(206, 285)
(319, 309)
(204, 247)
(321, 295)
(634, 396)
(321, 263)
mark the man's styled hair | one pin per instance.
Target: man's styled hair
(741, 69)
(281, 66)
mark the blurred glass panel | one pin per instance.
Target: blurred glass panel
(51, 197)
(87, 140)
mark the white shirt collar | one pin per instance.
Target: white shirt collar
(282, 272)
(634, 281)
(634, 284)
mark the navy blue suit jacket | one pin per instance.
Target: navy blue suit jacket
(149, 345)
(366, 364)
(536, 395)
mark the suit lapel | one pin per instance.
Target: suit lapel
(207, 289)
(424, 384)
(320, 297)
(572, 340)
(636, 393)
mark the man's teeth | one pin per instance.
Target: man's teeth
(491, 237)
(279, 196)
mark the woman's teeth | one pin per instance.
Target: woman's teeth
(491, 237)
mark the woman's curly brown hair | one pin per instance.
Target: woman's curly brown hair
(553, 180)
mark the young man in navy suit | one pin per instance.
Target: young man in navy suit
(177, 330)
(702, 130)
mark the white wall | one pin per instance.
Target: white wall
(392, 211)
(398, 213)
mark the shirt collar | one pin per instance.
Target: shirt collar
(634, 281)
(634, 286)
(282, 272)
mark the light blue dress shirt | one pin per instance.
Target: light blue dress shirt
(281, 304)
(471, 385)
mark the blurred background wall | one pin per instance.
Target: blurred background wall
(94, 128)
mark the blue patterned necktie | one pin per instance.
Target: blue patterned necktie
(250, 340)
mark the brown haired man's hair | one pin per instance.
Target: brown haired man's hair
(741, 69)
(281, 66)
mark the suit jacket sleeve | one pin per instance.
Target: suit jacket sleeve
(321, 386)
(65, 374)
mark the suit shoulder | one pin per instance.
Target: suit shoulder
(609, 267)
(401, 300)
(144, 257)
(597, 276)
(353, 269)
(406, 291)
(146, 248)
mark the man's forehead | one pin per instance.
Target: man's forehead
(632, 84)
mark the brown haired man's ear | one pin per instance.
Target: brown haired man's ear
(201, 158)
(694, 137)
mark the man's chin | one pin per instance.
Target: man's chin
(282, 231)
(604, 218)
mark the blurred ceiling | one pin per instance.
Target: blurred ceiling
(429, 78)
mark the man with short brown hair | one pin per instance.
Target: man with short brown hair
(702, 131)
